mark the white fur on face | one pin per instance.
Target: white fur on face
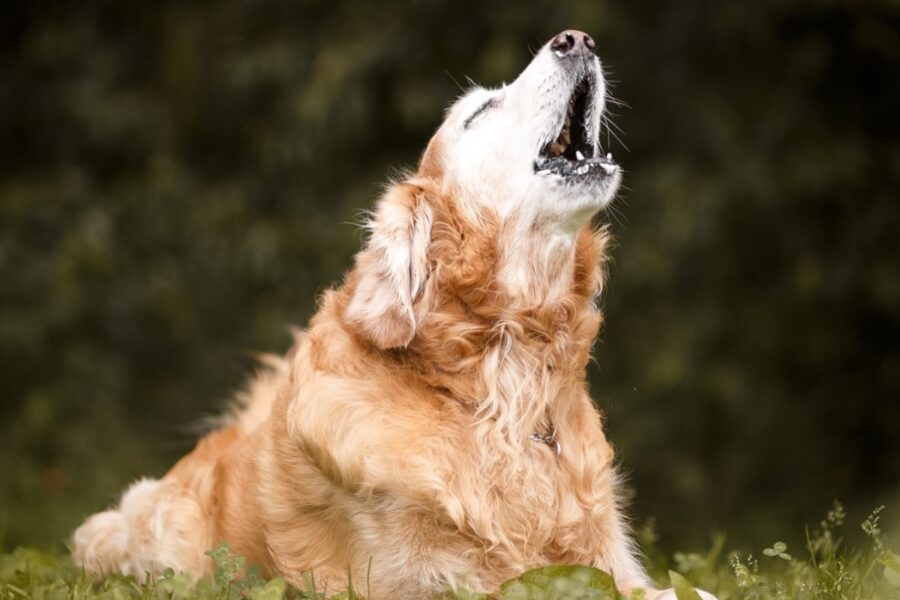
(494, 146)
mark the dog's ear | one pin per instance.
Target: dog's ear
(392, 269)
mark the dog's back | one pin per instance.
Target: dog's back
(170, 522)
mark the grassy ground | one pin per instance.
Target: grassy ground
(826, 569)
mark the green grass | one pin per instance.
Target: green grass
(825, 569)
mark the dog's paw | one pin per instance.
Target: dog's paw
(669, 594)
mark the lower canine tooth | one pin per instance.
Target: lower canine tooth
(609, 156)
(579, 155)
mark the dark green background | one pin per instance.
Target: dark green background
(178, 181)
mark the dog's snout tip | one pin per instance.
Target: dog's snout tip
(573, 42)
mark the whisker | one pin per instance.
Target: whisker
(610, 131)
(616, 102)
(612, 99)
(616, 215)
(453, 79)
(611, 123)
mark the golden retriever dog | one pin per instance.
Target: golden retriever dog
(431, 429)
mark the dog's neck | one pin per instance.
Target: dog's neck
(536, 264)
(517, 320)
(551, 323)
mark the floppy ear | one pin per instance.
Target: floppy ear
(392, 268)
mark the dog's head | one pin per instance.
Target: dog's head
(520, 166)
(530, 151)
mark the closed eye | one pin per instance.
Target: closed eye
(481, 109)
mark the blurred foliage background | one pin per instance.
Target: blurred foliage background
(178, 181)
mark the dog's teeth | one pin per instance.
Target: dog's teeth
(579, 155)
(609, 156)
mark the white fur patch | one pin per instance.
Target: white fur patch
(156, 525)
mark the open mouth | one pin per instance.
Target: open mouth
(571, 153)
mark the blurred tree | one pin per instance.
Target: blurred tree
(179, 180)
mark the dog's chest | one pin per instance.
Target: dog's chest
(530, 504)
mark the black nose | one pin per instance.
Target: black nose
(573, 42)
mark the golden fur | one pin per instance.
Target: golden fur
(394, 441)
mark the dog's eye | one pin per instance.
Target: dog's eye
(481, 109)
